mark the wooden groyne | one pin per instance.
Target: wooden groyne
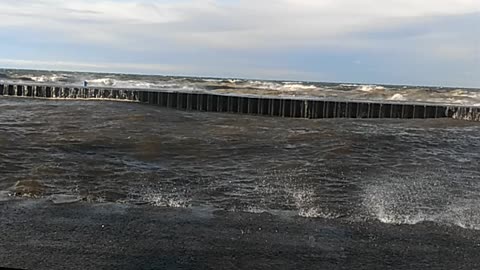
(258, 105)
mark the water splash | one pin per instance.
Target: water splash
(5, 196)
(165, 198)
(397, 96)
(166, 201)
(407, 201)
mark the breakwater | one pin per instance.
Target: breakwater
(259, 105)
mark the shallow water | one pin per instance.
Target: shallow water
(394, 171)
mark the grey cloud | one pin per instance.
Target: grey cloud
(245, 24)
(427, 29)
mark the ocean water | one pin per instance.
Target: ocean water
(393, 171)
(391, 179)
(455, 96)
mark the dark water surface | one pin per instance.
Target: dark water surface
(366, 175)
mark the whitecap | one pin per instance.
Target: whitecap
(47, 78)
(102, 82)
(296, 87)
(397, 97)
(370, 88)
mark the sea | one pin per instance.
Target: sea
(340, 193)
(336, 91)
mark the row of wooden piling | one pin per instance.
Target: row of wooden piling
(283, 107)
(268, 106)
(42, 91)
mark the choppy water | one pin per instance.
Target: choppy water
(394, 171)
(459, 96)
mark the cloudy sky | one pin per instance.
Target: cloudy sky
(427, 42)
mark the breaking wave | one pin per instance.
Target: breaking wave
(52, 78)
(103, 82)
(423, 200)
(251, 87)
(370, 88)
(397, 97)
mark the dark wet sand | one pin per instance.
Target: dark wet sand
(35, 234)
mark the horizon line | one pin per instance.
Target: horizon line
(236, 78)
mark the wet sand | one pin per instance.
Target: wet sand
(37, 234)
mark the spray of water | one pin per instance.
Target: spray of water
(407, 201)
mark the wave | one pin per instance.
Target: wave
(296, 87)
(394, 203)
(164, 198)
(48, 78)
(397, 97)
(369, 88)
(252, 87)
(426, 200)
(103, 82)
(349, 85)
(466, 217)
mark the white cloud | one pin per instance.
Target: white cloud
(243, 24)
(414, 33)
(97, 66)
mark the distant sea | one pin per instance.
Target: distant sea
(345, 91)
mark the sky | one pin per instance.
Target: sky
(415, 42)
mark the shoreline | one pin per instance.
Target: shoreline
(114, 236)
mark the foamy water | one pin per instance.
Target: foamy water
(421, 200)
(252, 87)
